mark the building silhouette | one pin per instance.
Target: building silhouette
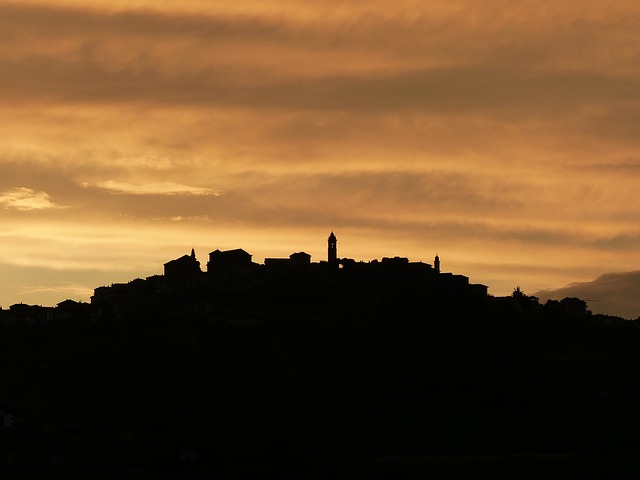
(234, 271)
(184, 267)
(332, 254)
(295, 261)
(229, 261)
(300, 259)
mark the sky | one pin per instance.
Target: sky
(503, 136)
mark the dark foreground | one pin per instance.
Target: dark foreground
(395, 387)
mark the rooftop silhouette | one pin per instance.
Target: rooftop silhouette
(234, 270)
(330, 369)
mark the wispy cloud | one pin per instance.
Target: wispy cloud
(153, 188)
(23, 198)
(148, 162)
(70, 289)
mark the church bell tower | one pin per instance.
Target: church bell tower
(332, 256)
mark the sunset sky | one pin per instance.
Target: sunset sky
(505, 136)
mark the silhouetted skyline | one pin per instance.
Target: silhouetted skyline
(240, 264)
(316, 369)
(504, 136)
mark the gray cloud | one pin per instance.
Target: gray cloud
(466, 89)
(230, 63)
(611, 293)
(495, 35)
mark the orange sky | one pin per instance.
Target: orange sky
(502, 135)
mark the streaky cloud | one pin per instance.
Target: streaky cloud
(73, 289)
(153, 188)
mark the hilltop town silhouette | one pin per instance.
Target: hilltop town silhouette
(329, 369)
(325, 282)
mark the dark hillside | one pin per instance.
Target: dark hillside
(330, 381)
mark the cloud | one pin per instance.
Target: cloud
(148, 162)
(435, 58)
(505, 131)
(153, 188)
(611, 293)
(68, 289)
(25, 199)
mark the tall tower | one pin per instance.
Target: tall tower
(333, 249)
(436, 263)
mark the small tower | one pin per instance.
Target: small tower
(332, 256)
(436, 263)
(193, 253)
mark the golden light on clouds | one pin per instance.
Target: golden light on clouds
(155, 188)
(503, 136)
(26, 199)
